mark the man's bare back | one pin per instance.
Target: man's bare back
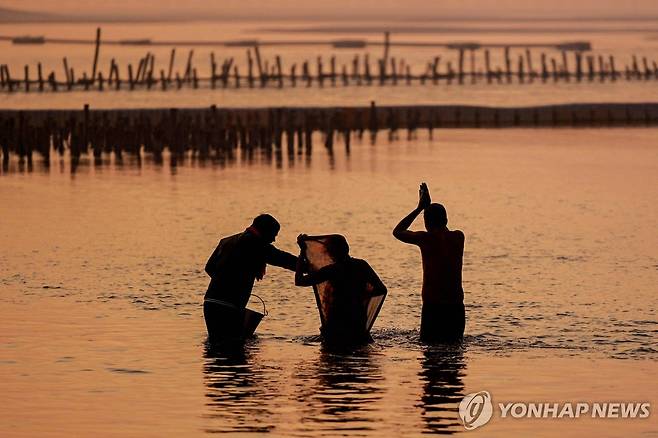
(442, 253)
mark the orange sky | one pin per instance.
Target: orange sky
(362, 8)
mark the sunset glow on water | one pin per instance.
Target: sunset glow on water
(102, 265)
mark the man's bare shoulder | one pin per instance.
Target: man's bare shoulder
(457, 236)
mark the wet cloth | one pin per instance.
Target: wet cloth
(351, 297)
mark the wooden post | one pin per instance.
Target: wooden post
(636, 70)
(579, 67)
(40, 74)
(188, 68)
(373, 122)
(345, 76)
(163, 80)
(544, 68)
(472, 59)
(140, 68)
(66, 70)
(487, 64)
(279, 71)
(96, 52)
(394, 73)
(149, 75)
(528, 57)
(554, 66)
(131, 79)
(293, 75)
(602, 69)
(85, 126)
(250, 69)
(110, 75)
(213, 70)
(387, 46)
(53, 81)
(613, 71)
(172, 57)
(333, 70)
(117, 78)
(100, 81)
(27, 79)
(366, 63)
(305, 74)
(508, 64)
(435, 69)
(645, 64)
(195, 78)
(320, 74)
(236, 75)
(355, 67)
(565, 65)
(86, 81)
(259, 64)
(521, 72)
(72, 77)
(590, 67)
(10, 83)
(461, 66)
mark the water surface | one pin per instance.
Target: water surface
(102, 281)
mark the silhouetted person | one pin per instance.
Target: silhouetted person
(345, 319)
(442, 250)
(237, 261)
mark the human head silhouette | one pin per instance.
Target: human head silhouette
(435, 217)
(267, 226)
(338, 247)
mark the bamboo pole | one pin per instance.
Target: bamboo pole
(96, 53)
(40, 76)
(172, 58)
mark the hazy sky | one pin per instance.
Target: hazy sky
(354, 8)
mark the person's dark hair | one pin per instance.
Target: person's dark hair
(266, 224)
(338, 247)
(436, 216)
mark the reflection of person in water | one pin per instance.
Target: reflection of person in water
(442, 251)
(348, 386)
(443, 387)
(233, 267)
(236, 391)
(345, 318)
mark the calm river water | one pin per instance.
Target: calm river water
(101, 272)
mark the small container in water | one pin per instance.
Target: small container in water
(252, 319)
(223, 320)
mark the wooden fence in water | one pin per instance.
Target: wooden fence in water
(216, 132)
(573, 63)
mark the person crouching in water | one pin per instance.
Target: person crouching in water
(350, 279)
(237, 261)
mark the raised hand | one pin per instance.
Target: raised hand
(424, 199)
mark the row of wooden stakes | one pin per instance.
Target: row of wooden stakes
(216, 132)
(389, 70)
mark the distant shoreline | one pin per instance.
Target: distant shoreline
(17, 16)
